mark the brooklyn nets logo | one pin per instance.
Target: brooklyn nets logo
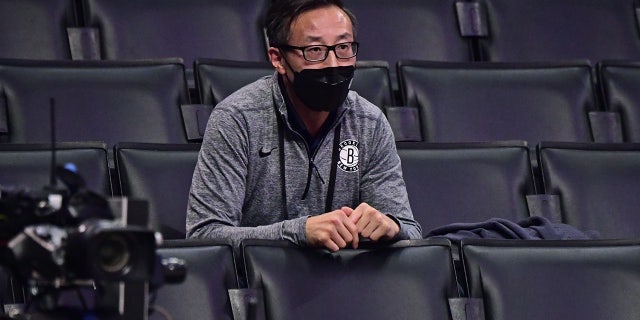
(348, 151)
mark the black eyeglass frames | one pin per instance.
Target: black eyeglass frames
(319, 52)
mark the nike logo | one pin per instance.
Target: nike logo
(266, 151)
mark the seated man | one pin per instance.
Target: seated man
(297, 155)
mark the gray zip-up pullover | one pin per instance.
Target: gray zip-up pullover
(256, 180)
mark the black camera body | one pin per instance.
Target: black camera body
(98, 250)
(59, 239)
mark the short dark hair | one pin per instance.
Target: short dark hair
(282, 12)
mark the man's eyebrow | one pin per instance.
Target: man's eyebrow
(345, 35)
(312, 39)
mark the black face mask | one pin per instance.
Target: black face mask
(323, 89)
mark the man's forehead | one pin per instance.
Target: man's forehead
(318, 24)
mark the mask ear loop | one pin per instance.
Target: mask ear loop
(288, 65)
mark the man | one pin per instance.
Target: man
(298, 156)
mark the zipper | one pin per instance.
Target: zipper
(311, 165)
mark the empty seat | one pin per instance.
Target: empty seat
(160, 174)
(466, 182)
(597, 185)
(408, 29)
(372, 81)
(410, 279)
(29, 165)
(203, 294)
(546, 279)
(36, 29)
(620, 83)
(142, 29)
(217, 79)
(550, 30)
(107, 101)
(500, 101)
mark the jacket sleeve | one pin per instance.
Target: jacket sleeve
(383, 186)
(219, 182)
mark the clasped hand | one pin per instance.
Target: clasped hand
(339, 228)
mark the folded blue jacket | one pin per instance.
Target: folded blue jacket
(532, 228)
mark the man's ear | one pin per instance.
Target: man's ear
(275, 56)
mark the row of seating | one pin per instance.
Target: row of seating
(148, 101)
(592, 186)
(497, 280)
(451, 102)
(141, 101)
(446, 30)
(97, 29)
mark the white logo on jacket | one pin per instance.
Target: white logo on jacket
(348, 159)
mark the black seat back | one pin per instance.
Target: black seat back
(466, 182)
(160, 174)
(36, 29)
(203, 294)
(109, 101)
(29, 165)
(406, 280)
(597, 184)
(550, 30)
(546, 279)
(493, 101)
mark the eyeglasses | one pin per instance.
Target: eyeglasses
(319, 52)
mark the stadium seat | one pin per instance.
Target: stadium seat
(551, 30)
(191, 29)
(372, 81)
(466, 182)
(210, 272)
(620, 81)
(29, 165)
(411, 279)
(216, 79)
(597, 185)
(461, 102)
(108, 101)
(408, 29)
(160, 174)
(547, 279)
(36, 29)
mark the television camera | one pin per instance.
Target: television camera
(62, 240)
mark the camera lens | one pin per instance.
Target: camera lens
(113, 254)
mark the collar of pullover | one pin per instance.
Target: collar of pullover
(297, 125)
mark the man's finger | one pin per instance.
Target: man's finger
(345, 232)
(354, 214)
(348, 211)
(380, 232)
(329, 244)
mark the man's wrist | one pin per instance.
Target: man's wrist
(397, 223)
(294, 230)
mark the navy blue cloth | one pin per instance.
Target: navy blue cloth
(532, 228)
